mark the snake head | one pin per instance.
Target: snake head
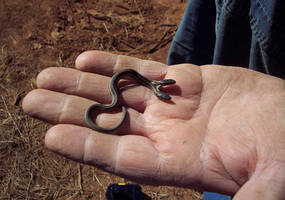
(157, 84)
(162, 95)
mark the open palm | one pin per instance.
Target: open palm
(223, 130)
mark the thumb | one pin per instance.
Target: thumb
(268, 185)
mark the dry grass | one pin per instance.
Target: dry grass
(124, 33)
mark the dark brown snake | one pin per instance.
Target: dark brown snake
(114, 90)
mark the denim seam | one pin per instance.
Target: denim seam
(268, 18)
(258, 3)
(227, 10)
(265, 47)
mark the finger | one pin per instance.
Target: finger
(72, 81)
(56, 108)
(107, 64)
(92, 86)
(129, 156)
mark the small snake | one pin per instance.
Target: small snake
(113, 88)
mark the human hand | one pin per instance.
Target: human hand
(223, 131)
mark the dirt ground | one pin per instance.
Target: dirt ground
(36, 34)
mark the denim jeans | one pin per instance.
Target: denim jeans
(244, 33)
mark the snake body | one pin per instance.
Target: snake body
(114, 91)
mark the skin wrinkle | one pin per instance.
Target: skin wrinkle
(159, 161)
(64, 107)
(79, 82)
(208, 119)
(159, 169)
(156, 166)
(228, 174)
(163, 74)
(147, 98)
(139, 122)
(179, 179)
(143, 64)
(140, 67)
(214, 104)
(86, 148)
(117, 64)
(190, 116)
(156, 170)
(116, 158)
(153, 143)
(244, 151)
(202, 160)
(201, 91)
(90, 141)
(251, 168)
(216, 157)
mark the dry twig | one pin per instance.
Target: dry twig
(10, 115)
(79, 178)
(139, 10)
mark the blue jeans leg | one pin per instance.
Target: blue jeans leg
(184, 46)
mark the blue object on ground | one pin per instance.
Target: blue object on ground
(124, 192)
(215, 196)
